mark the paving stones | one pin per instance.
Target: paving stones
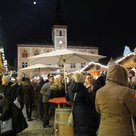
(35, 129)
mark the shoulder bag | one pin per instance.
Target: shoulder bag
(6, 126)
(70, 118)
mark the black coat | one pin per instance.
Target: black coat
(28, 92)
(37, 90)
(99, 82)
(18, 117)
(5, 109)
(10, 91)
(82, 111)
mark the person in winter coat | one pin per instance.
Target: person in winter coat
(39, 96)
(82, 108)
(116, 104)
(56, 90)
(28, 93)
(89, 80)
(20, 94)
(99, 82)
(45, 97)
(10, 89)
(10, 110)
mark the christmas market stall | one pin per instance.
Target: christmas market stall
(128, 61)
(94, 69)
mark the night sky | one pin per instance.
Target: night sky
(109, 25)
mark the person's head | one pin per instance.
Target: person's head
(131, 73)
(57, 79)
(51, 78)
(27, 79)
(78, 77)
(89, 79)
(40, 80)
(23, 78)
(48, 75)
(117, 74)
(5, 80)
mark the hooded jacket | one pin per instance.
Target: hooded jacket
(116, 104)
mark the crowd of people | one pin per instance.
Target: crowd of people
(104, 106)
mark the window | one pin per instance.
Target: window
(60, 33)
(83, 65)
(36, 52)
(24, 54)
(61, 66)
(24, 64)
(72, 65)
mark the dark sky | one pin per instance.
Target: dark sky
(109, 24)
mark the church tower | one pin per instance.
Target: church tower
(59, 30)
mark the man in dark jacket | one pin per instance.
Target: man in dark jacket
(38, 87)
(28, 93)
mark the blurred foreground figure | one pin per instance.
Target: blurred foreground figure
(116, 104)
(9, 110)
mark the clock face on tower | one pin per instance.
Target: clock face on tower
(60, 43)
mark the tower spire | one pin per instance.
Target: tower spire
(58, 14)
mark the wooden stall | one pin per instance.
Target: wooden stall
(128, 61)
(94, 69)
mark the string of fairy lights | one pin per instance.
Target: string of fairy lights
(3, 59)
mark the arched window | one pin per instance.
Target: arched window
(60, 33)
(24, 54)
